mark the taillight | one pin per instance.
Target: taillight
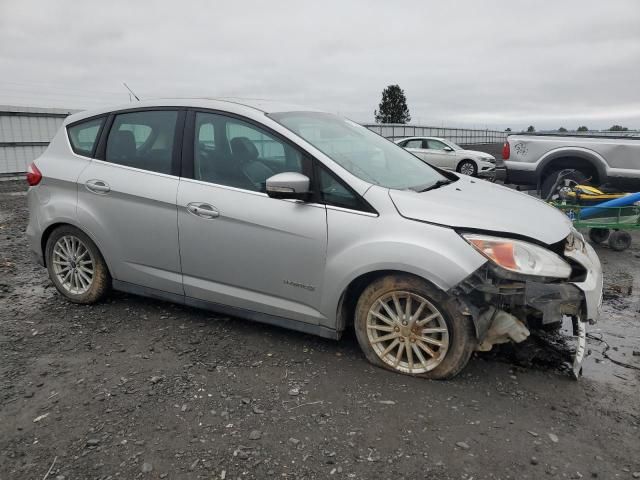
(506, 151)
(33, 175)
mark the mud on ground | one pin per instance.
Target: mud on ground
(137, 388)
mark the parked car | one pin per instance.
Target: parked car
(304, 220)
(537, 159)
(446, 154)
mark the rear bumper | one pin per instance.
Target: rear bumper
(519, 173)
(34, 233)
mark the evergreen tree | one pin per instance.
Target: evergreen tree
(393, 107)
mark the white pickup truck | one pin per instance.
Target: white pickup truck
(536, 159)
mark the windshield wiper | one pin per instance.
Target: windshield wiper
(433, 186)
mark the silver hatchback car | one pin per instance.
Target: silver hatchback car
(305, 220)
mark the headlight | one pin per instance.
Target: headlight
(490, 159)
(520, 257)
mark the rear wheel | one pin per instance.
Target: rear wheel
(598, 235)
(468, 167)
(405, 325)
(553, 191)
(76, 266)
(619, 240)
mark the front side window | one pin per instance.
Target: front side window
(334, 192)
(436, 145)
(83, 136)
(229, 151)
(360, 151)
(143, 140)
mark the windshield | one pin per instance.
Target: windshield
(357, 149)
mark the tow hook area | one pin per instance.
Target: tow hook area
(503, 328)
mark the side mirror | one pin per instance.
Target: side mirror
(448, 149)
(288, 185)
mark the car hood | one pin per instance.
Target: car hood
(480, 205)
(475, 153)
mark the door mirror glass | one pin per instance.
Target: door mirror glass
(448, 149)
(288, 185)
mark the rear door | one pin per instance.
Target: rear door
(239, 247)
(127, 197)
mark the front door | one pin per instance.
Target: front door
(127, 200)
(438, 154)
(238, 246)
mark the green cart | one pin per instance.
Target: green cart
(610, 224)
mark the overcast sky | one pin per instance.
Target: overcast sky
(474, 63)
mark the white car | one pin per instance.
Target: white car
(446, 154)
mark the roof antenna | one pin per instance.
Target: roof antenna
(130, 91)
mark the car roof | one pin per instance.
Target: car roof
(422, 138)
(250, 107)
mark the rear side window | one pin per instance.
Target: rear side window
(83, 136)
(143, 140)
(413, 144)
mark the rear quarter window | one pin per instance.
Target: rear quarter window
(84, 135)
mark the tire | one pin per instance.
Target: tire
(598, 235)
(576, 176)
(468, 167)
(619, 240)
(446, 325)
(76, 266)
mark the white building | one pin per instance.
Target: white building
(25, 133)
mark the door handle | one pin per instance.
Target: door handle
(98, 186)
(203, 210)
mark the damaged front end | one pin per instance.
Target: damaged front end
(506, 305)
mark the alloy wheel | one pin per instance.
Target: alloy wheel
(407, 332)
(467, 168)
(73, 265)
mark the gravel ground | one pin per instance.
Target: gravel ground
(137, 388)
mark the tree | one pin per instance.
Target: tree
(393, 107)
(507, 129)
(562, 129)
(618, 128)
(531, 129)
(583, 129)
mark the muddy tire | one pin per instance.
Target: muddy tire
(619, 240)
(405, 325)
(76, 266)
(598, 235)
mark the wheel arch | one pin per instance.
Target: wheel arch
(475, 162)
(351, 293)
(573, 157)
(46, 234)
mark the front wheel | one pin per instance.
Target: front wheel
(76, 266)
(468, 167)
(405, 325)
